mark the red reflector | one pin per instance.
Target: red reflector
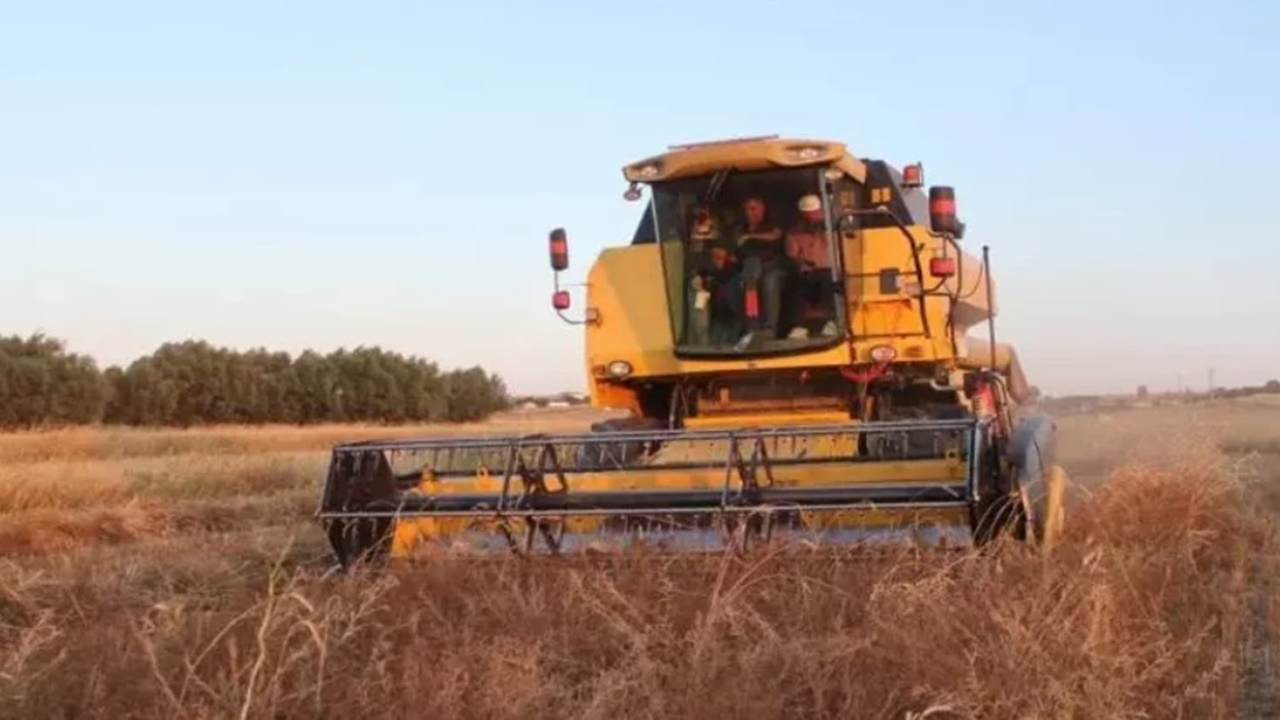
(560, 300)
(942, 267)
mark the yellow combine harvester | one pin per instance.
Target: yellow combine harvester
(788, 333)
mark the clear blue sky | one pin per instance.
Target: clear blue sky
(320, 174)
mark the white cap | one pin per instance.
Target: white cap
(809, 203)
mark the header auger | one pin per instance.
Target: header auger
(786, 338)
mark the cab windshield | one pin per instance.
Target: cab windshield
(749, 262)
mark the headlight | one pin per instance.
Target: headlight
(883, 353)
(619, 369)
(806, 152)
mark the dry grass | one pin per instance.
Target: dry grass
(75, 484)
(40, 532)
(127, 443)
(212, 605)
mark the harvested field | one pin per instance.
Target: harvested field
(177, 574)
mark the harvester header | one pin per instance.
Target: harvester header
(786, 337)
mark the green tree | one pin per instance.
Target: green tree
(43, 385)
(474, 394)
(195, 383)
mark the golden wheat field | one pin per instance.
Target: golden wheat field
(177, 574)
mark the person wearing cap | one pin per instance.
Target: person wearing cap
(761, 251)
(808, 245)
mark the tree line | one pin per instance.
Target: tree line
(183, 384)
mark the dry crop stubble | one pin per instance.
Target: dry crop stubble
(92, 443)
(58, 505)
(1141, 611)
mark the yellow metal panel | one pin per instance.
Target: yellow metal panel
(873, 312)
(411, 531)
(778, 419)
(626, 288)
(828, 473)
(837, 356)
(411, 534)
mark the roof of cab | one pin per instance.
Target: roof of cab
(749, 153)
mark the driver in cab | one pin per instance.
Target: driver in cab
(760, 247)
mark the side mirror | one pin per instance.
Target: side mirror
(559, 246)
(559, 250)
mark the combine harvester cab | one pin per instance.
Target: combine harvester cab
(787, 336)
